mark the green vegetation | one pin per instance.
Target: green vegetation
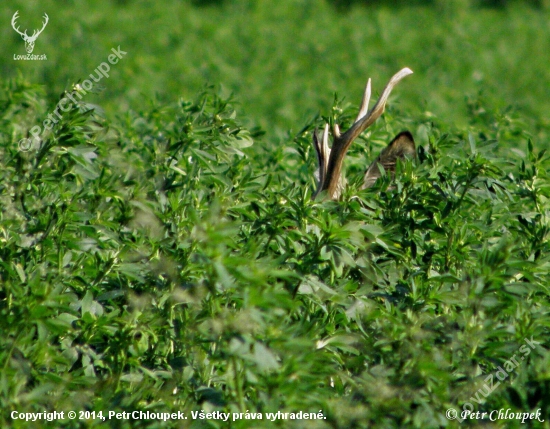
(162, 253)
(284, 62)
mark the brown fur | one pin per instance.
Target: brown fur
(401, 147)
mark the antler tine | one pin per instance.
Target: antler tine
(365, 102)
(36, 33)
(13, 24)
(319, 173)
(326, 150)
(323, 155)
(336, 130)
(341, 143)
(46, 20)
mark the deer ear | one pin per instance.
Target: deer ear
(401, 147)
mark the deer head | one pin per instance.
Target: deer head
(331, 160)
(29, 40)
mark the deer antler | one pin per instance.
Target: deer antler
(36, 33)
(13, 19)
(330, 160)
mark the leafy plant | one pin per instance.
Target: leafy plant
(168, 262)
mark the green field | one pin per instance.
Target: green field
(160, 250)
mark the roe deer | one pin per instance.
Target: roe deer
(330, 160)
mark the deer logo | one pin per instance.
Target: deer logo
(29, 40)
